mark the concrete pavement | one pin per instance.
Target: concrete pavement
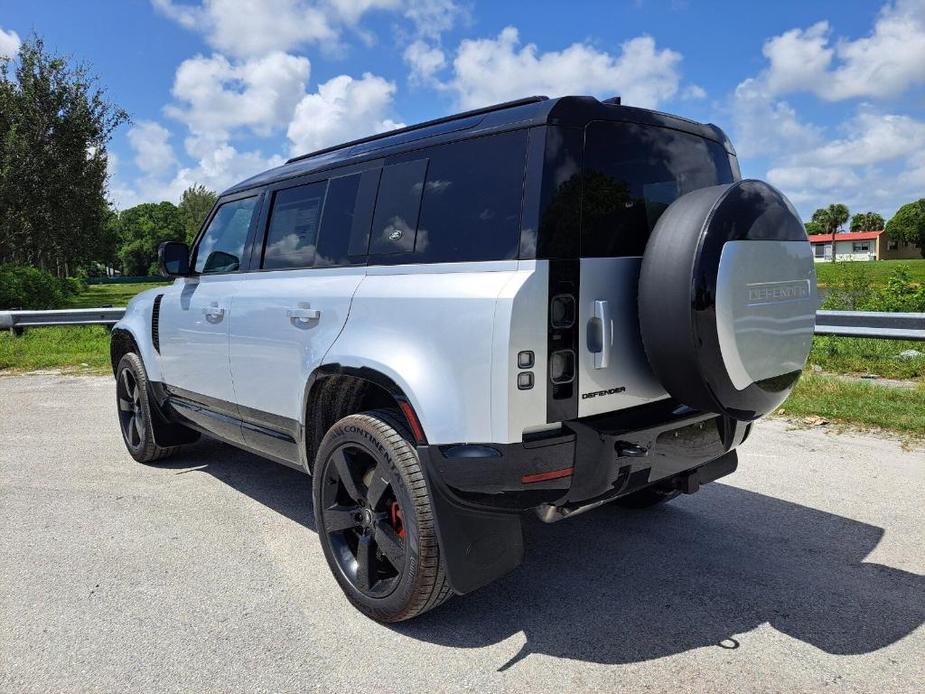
(802, 571)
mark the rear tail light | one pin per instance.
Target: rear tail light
(562, 311)
(562, 366)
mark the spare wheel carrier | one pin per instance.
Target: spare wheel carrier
(727, 299)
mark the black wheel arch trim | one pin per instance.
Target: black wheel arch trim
(364, 373)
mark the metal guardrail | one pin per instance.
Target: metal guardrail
(17, 321)
(884, 326)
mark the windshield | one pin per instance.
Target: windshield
(632, 173)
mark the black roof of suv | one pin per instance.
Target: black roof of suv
(569, 111)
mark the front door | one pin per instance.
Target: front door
(195, 314)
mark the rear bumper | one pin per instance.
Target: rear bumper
(478, 490)
(609, 455)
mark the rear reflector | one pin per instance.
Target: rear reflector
(543, 476)
(413, 422)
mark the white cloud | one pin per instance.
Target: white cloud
(343, 108)
(218, 96)
(693, 92)
(491, 70)
(220, 168)
(433, 17)
(876, 164)
(248, 28)
(153, 153)
(424, 60)
(253, 27)
(350, 12)
(223, 167)
(9, 43)
(870, 160)
(763, 125)
(884, 64)
(872, 137)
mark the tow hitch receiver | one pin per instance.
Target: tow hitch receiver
(690, 481)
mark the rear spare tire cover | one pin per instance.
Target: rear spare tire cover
(727, 299)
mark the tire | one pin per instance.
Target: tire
(375, 520)
(646, 498)
(135, 412)
(727, 299)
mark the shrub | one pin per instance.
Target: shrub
(849, 288)
(30, 288)
(899, 294)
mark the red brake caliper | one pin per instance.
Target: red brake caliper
(398, 520)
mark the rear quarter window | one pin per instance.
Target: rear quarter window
(472, 200)
(459, 202)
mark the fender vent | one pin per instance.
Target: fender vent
(155, 323)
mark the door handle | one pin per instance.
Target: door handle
(213, 311)
(303, 314)
(602, 316)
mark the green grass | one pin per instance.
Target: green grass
(859, 403)
(79, 348)
(848, 355)
(877, 270)
(99, 295)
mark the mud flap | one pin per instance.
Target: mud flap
(478, 545)
(167, 432)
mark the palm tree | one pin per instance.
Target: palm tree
(867, 221)
(832, 218)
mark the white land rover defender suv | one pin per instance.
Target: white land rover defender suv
(544, 305)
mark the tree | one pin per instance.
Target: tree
(142, 229)
(908, 224)
(831, 219)
(814, 228)
(195, 204)
(867, 221)
(55, 123)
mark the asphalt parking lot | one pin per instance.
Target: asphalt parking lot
(803, 571)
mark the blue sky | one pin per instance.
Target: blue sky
(824, 99)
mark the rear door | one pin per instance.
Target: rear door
(293, 304)
(631, 173)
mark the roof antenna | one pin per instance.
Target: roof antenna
(614, 101)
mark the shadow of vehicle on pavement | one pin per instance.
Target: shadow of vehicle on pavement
(616, 586)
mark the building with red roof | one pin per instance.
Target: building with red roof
(863, 245)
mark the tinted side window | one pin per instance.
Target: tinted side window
(222, 245)
(345, 221)
(472, 200)
(397, 207)
(293, 232)
(632, 173)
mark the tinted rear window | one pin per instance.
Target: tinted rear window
(397, 207)
(341, 220)
(632, 173)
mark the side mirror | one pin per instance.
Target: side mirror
(173, 259)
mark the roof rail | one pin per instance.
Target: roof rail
(426, 124)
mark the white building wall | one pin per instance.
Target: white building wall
(844, 250)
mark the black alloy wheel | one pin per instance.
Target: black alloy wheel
(375, 520)
(131, 412)
(135, 411)
(363, 520)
